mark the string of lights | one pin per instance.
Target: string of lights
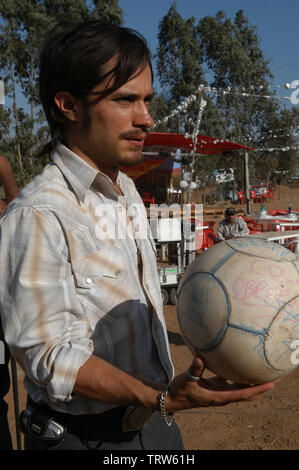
(184, 105)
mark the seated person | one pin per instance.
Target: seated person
(232, 226)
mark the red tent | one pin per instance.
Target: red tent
(205, 144)
(146, 166)
(150, 171)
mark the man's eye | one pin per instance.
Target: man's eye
(125, 99)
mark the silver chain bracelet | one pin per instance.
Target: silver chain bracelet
(165, 415)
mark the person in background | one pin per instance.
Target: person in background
(9, 183)
(232, 226)
(11, 190)
(86, 321)
(5, 436)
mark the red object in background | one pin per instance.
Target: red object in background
(205, 144)
(143, 168)
(148, 198)
(252, 195)
(269, 194)
(206, 233)
(253, 226)
(277, 212)
(241, 197)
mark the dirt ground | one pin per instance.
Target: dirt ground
(270, 423)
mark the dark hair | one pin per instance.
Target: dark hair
(230, 211)
(74, 58)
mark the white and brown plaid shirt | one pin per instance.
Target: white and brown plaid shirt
(69, 288)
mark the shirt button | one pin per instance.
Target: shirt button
(88, 280)
(117, 272)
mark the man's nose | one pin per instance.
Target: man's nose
(143, 117)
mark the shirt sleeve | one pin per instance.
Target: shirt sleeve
(220, 232)
(243, 229)
(43, 321)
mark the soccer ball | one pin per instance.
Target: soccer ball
(238, 308)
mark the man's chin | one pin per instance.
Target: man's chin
(132, 160)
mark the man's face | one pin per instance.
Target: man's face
(117, 125)
(230, 218)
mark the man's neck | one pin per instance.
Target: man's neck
(111, 172)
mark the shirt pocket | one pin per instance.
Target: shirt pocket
(103, 264)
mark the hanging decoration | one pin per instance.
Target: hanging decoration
(184, 105)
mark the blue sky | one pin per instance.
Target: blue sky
(277, 25)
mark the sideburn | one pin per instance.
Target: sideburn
(86, 114)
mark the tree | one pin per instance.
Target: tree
(233, 54)
(23, 26)
(10, 46)
(108, 10)
(241, 77)
(178, 61)
(278, 144)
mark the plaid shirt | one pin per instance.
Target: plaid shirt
(227, 230)
(69, 289)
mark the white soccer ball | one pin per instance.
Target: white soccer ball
(238, 308)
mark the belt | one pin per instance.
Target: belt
(117, 420)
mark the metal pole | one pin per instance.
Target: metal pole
(16, 401)
(202, 105)
(247, 186)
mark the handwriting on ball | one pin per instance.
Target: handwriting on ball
(253, 287)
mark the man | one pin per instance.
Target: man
(232, 226)
(82, 307)
(9, 183)
(11, 190)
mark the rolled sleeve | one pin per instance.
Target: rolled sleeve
(43, 321)
(68, 361)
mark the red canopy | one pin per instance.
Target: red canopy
(205, 145)
(143, 168)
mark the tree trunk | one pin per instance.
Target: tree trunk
(16, 116)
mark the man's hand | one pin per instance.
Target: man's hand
(184, 394)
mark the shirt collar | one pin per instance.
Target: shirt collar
(79, 173)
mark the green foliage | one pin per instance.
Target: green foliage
(178, 62)
(23, 27)
(230, 51)
(108, 10)
(178, 56)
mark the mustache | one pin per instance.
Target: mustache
(137, 134)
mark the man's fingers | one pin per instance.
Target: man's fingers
(197, 367)
(245, 394)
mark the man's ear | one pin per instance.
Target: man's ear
(69, 106)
